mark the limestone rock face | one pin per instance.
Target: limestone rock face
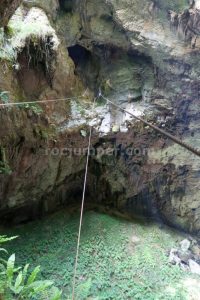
(144, 56)
(7, 9)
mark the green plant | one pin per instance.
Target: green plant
(34, 107)
(17, 283)
(5, 239)
(4, 96)
(4, 166)
(7, 52)
(9, 31)
(110, 265)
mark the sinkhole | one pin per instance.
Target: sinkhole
(107, 191)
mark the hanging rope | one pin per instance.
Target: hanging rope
(170, 136)
(82, 207)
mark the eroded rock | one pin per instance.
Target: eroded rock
(194, 267)
(185, 245)
(7, 9)
(129, 51)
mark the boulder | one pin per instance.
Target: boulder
(185, 245)
(194, 267)
(173, 257)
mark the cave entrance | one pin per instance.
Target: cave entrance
(87, 65)
(79, 55)
(66, 5)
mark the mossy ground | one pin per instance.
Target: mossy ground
(111, 265)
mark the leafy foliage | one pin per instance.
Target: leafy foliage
(34, 107)
(110, 266)
(4, 96)
(18, 283)
(5, 239)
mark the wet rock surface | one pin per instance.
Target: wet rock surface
(130, 52)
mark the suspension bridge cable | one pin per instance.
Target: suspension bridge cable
(163, 132)
(82, 207)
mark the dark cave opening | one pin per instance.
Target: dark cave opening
(99, 196)
(66, 5)
(79, 54)
(87, 65)
(101, 66)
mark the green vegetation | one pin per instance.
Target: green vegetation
(41, 132)
(37, 109)
(4, 96)
(6, 50)
(18, 283)
(18, 34)
(118, 259)
(4, 165)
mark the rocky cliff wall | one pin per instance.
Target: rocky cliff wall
(139, 57)
(7, 9)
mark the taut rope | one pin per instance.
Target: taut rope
(167, 134)
(170, 136)
(38, 102)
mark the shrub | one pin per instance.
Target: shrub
(20, 284)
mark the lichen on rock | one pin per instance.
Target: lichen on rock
(33, 25)
(25, 27)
